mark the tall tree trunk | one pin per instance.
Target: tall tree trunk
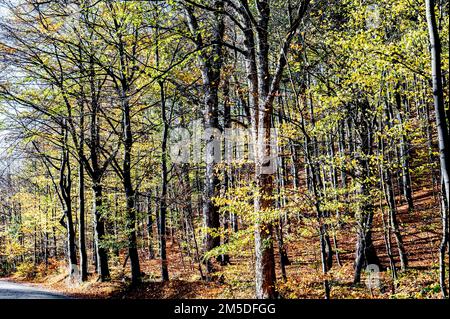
(101, 257)
(65, 184)
(82, 224)
(164, 181)
(81, 205)
(129, 193)
(211, 80)
(263, 87)
(404, 154)
(263, 202)
(365, 250)
(151, 250)
(443, 138)
(386, 180)
(226, 217)
(210, 67)
(93, 167)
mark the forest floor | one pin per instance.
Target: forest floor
(304, 278)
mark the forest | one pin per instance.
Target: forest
(294, 149)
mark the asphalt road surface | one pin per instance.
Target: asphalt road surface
(11, 290)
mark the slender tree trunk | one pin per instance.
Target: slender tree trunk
(130, 194)
(164, 178)
(210, 67)
(82, 225)
(319, 215)
(65, 181)
(151, 251)
(386, 180)
(392, 218)
(404, 155)
(365, 250)
(101, 256)
(226, 217)
(388, 244)
(443, 138)
(81, 205)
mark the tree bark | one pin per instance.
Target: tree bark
(365, 250)
(99, 233)
(65, 181)
(164, 178)
(81, 205)
(443, 138)
(210, 67)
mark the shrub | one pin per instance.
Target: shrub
(26, 270)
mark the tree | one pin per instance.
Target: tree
(442, 128)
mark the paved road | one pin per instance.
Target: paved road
(11, 290)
